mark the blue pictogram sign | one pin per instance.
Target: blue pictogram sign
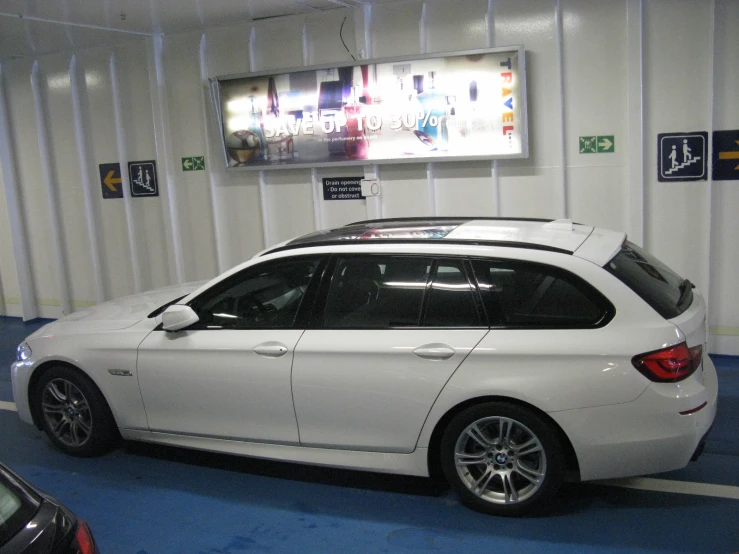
(143, 178)
(682, 156)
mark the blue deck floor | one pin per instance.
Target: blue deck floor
(144, 499)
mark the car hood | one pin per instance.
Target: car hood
(116, 314)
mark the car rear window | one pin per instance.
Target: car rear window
(659, 286)
(17, 507)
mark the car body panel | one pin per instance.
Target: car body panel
(212, 383)
(115, 314)
(382, 390)
(94, 353)
(565, 236)
(645, 436)
(600, 246)
(414, 463)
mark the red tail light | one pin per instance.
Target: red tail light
(83, 539)
(669, 365)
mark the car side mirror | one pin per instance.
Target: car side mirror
(178, 317)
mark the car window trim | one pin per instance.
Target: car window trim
(318, 320)
(481, 321)
(229, 281)
(608, 310)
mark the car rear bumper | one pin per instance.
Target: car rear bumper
(648, 435)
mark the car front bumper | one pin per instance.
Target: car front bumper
(20, 374)
(648, 435)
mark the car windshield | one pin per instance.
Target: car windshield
(658, 285)
(17, 507)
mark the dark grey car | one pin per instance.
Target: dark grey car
(32, 522)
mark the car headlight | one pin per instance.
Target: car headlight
(23, 352)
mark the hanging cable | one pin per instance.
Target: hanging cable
(342, 39)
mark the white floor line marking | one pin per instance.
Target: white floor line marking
(680, 487)
(10, 406)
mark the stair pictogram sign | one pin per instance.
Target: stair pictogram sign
(682, 156)
(678, 167)
(143, 178)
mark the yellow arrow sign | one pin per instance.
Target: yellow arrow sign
(731, 155)
(109, 181)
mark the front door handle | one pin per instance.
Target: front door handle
(270, 349)
(434, 351)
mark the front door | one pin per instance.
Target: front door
(228, 376)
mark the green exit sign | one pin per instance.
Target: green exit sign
(598, 144)
(193, 163)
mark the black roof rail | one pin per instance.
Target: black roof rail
(345, 242)
(445, 219)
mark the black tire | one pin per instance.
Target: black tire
(514, 475)
(73, 413)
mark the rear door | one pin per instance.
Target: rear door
(394, 330)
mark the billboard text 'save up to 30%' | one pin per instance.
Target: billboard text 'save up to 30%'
(462, 106)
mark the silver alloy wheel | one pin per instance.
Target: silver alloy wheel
(67, 412)
(500, 460)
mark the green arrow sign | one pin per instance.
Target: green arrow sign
(198, 163)
(600, 144)
(606, 144)
(187, 164)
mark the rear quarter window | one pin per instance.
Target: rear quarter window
(658, 285)
(528, 295)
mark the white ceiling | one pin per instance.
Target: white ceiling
(34, 27)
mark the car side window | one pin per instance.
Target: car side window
(451, 300)
(266, 296)
(530, 295)
(376, 292)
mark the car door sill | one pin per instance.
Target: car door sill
(413, 463)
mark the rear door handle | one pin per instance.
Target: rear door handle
(435, 351)
(270, 349)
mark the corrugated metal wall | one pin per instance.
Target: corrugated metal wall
(628, 68)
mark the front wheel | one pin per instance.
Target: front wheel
(74, 413)
(502, 459)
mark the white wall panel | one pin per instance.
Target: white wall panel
(322, 37)
(242, 216)
(136, 91)
(187, 139)
(33, 194)
(98, 109)
(395, 29)
(289, 203)
(405, 190)
(10, 303)
(531, 187)
(583, 72)
(279, 44)
(456, 25)
(66, 177)
(677, 44)
(724, 301)
(238, 200)
(595, 104)
(464, 188)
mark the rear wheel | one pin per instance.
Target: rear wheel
(74, 413)
(502, 459)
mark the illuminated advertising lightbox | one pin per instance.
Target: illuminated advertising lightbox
(462, 106)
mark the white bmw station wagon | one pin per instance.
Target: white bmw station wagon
(501, 354)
